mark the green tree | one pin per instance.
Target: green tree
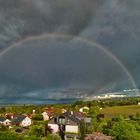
(94, 111)
(36, 130)
(3, 127)
(37, 117)
(2, 110)
(10, 136)
(53, 137)
(32, 138)
(124, 131)
(82, 130)
(119, 129)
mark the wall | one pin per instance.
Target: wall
(71, 128)
(54, 127)
(26, 122)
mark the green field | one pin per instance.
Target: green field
(120, 110)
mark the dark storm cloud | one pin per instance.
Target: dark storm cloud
(116, 25)
(21, 18)
(112, 23)
(45, 64)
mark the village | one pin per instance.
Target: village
(63, 123)
(90, 120)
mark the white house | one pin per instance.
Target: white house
(65, 123)
(21, 120)
(48, 113)
(45, 116)
(5, 121)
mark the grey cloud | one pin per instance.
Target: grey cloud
(113, 24)
(60, 64)
(45, 16)
(116, 26)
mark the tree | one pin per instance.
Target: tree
(33, 138)
(37, 117)
(3, 127)
(121, 130)
(36, 130)
(53, 137)
(10, 136)
(2, 110)
(82, 130)
(124, 131)
(94, 111)
(118, 119)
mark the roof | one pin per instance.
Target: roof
(2, 119)
(49, 109)
(71, 117)
(9, 115)
(18, 119)
(47, 113)
(79, 115)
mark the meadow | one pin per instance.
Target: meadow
(120, 110)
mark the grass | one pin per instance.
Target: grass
(120, 110)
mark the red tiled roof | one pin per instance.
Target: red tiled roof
(49, 109)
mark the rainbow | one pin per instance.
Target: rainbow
(81, 39)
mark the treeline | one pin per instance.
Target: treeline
(20, 109)
(108, 103)
(27, 109)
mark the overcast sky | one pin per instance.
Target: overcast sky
(38, 66)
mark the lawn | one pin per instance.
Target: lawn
(123, 110)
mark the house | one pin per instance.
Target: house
(49, 110)
(45, 116)
(82, 117)
(48, 113)
(5, 121)
(66, 124)
(21, 120)
(9, 116)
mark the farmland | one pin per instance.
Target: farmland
(123, 110)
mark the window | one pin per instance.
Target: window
(61, 120)
(68, 121)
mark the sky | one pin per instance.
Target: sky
(54, 49)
